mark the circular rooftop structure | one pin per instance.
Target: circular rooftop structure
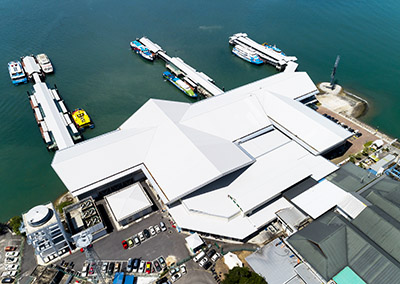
(39, 215)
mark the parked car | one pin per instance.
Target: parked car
(174, 270)
(161, 260)
(111, 268)
(10, 248)
(210, 253)
(12, 267)
(141, 237)
(203, 261)
(215, 257)
(148, 267)
(163, 280)
(162, 226)
(183, 269)
(85, 269)
(157, 228)
(129, 265)
(207, 265)
(142, 266)
(124, 244)
(199, 256)
(136, 264)
(176, 276)
(11, 260)
(157, 265)
(104, 267)
(152, 231)
(7, 280)
(12, 253)
(130, 242)
(117, 267)
(136, 240)
(146, 233)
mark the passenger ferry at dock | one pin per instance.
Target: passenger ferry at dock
(17, 73)
(247, 54)
(274, 48)
(142, 50)
(44, 63)
(81, 119)
(181, 85)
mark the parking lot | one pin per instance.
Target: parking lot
(10, 255)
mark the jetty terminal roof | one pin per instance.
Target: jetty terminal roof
(188, 146)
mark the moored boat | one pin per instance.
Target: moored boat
(247, 54)
(142, 50)
(274, 48)
(44, 63)
(180, 84)
(81, 119)
(17, 73)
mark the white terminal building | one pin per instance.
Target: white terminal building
(45, 232)
(220, 165)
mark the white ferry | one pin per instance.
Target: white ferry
(44, 63)
(247, 54)
(17, 73)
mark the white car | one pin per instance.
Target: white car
(5, 273)
(183, 268)
(13, 273)
(12, 266)
(215, 257)
(203, 261)
(162, 226)
(157, 228)
(141, 236)
(152, 231)
(12, 254)
(142, 266)
(10, 260)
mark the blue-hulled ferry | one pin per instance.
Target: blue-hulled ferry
(17, 73)
(180, 84)
(247, 54)
(142, 50)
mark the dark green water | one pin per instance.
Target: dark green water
(88, 42)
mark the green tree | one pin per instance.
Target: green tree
(242, 275)
(15, 223)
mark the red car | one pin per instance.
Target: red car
(148, 267)
(124, 244)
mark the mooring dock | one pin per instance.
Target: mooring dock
(197, 80)
(268, 54)
(52, 116)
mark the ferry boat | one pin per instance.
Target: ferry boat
(274, 48)
(81, 119)
(44, 63)
(181, 85)
(17, 73)
(142, 50)
(247, 54)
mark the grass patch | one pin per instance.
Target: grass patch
(61, 206)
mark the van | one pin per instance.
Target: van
(199, 256)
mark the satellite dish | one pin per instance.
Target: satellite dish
(84, 240)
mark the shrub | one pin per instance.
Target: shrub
(15, 223)
(242, 275)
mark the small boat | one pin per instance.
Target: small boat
(247, 54)
(17, 73)
(274, 48)
(181, 85)
(81, 119)
(44, 63)
(142, 50)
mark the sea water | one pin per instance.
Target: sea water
(88, 43)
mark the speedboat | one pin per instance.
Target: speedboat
(17, 73)
(44, 63)
(180, 84)
(142, 50)
(81, 119)
(247, 54)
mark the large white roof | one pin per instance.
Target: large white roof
(187, 146)
(128, 201)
